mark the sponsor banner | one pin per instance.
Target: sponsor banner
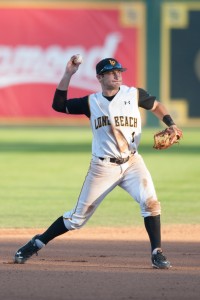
(180, 63)
(41, 38)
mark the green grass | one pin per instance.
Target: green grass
(42, 171)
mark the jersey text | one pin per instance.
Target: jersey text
(125, 121)
(101, 121)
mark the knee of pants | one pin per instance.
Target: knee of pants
(73, 221)
(151, 208)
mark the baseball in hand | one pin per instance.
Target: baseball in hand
(78, 59)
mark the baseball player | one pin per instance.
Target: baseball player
(116, 125)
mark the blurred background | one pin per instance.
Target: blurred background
(158, 41)
(44, 155)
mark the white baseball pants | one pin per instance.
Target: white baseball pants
(102, 177)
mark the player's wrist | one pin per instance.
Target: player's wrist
(167, 119)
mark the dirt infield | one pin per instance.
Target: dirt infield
(103, 264)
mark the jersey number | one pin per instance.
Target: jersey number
(133, 137)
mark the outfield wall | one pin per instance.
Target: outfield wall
(158, 41)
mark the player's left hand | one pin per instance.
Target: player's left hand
(167, 137)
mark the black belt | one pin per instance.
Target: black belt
(118, 161)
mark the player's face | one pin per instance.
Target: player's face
(111, 80)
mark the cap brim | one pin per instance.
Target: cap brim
(120, 69)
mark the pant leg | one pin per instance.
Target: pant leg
(102, 178)
(137, 181)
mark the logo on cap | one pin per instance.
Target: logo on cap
(112, 62)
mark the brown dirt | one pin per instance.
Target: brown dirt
(103, 264)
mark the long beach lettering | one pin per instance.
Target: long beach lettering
(120, 121)
(101, 121)
(125, 121)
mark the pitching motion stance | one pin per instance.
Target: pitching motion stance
(116, 125)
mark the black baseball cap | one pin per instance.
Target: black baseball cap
(108, 64)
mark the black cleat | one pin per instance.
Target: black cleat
(26, 251)
(159, 261)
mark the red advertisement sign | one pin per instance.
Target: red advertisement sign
(36, 45)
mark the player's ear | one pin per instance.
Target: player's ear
(99, 77)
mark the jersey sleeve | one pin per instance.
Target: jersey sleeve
(78, 106)
(75, 106)
(145, 101)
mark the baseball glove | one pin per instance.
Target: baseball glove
(166, 138)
